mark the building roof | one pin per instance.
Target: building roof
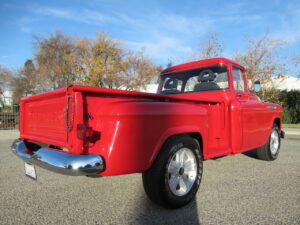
(283, 83)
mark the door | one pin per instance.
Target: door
(253, 115)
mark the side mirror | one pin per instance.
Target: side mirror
(257, 86)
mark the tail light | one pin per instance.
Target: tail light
(86, 133)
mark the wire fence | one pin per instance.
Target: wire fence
(9, 114)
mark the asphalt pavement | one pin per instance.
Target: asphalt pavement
(237, 189)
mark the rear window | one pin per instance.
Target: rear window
(204, 79)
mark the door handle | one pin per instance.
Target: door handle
(239, 94)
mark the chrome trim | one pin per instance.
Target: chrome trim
(60, 162)
(271, 107)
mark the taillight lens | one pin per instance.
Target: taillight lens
(84, 132)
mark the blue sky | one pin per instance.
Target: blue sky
(167, 30)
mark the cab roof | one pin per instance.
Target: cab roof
(200, 63)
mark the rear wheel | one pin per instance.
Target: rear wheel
(270, 150)
(175, 176)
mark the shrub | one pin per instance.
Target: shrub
(290, 100)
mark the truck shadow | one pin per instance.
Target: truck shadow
(165, 118)
(150, 214)
(252, 154)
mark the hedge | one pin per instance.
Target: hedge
(290, 100)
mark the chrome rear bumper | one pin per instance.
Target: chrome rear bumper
(60, 162)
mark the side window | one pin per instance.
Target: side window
(222, 78)
(238, 79)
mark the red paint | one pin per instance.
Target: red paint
(130, 128)
(201, 63)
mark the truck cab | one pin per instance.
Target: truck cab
(239, 121)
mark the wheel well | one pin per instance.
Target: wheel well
(277, 122)
(194, 135)
(198, 137)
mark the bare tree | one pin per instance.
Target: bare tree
(5, 76)
(138, 71)
(212, 47)
(296, 62)
(261, 59)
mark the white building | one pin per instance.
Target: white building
(150, 88)
(6, 98)
(284, 83)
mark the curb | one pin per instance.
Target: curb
(292, 133)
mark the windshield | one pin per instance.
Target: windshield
(198, 80)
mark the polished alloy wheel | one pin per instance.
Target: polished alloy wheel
(274, 143)
(182, 172)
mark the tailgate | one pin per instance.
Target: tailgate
(43, 118)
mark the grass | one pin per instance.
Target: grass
(285, 125)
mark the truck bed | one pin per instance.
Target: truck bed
(53, 117)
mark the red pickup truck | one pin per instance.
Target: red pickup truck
(202, 110)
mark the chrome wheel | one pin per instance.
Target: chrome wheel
(182, 171)
(274, 142)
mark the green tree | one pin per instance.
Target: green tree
(100, 62)
(104, 62)
(25, 82)
(56, 60)
(291, 102)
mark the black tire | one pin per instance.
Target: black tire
(264, 152)
(156, 179)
